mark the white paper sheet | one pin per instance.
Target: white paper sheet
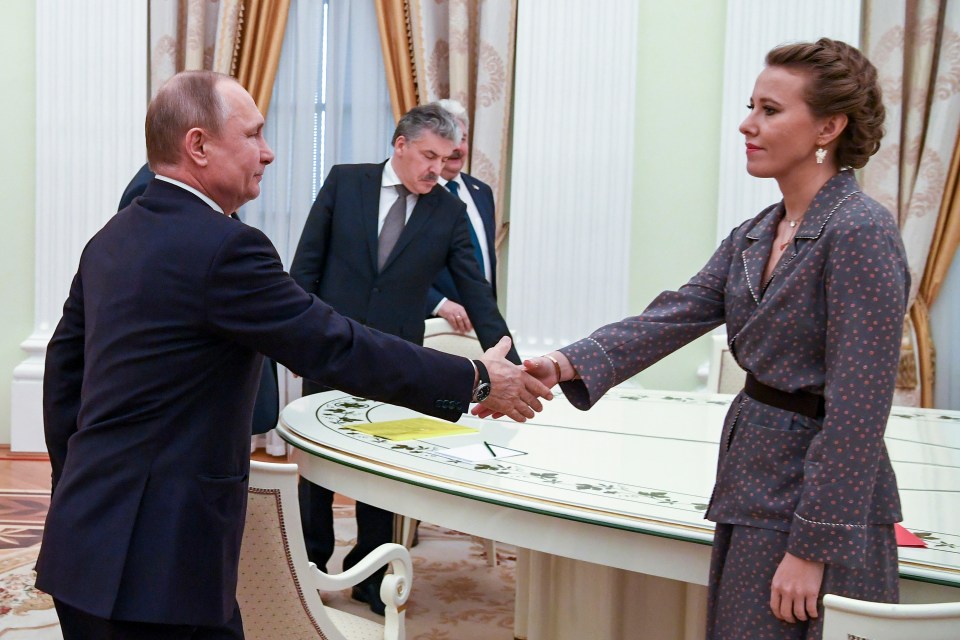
(479, 452)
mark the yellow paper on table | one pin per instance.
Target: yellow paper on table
(412, 429)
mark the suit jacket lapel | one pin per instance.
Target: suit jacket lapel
(426, 204)
(755, 256)
(370, 209)
(486, 207)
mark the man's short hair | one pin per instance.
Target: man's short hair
(428, 117)
(457, 110)
(187, 100)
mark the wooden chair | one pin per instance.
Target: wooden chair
(278, 588)
(846, 618)
(440, 335)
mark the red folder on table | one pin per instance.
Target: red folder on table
(907, 539)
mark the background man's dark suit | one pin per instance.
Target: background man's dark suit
(266, 411)
(443, 286)
(151, 374)
(337, 257)
(337, 260)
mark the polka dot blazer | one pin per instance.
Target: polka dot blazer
(828, 321)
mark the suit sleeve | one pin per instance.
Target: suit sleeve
(252, 301)
(311, 254)
(63, 379)
(475, 292)
(433, 299)
(617, 351)
(866, 284)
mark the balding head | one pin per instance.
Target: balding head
(204, 129)
(188, 100)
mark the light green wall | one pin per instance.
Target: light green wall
(17, 177)
(679, 86)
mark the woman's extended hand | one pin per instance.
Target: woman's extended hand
(542, 369)
(795, 588)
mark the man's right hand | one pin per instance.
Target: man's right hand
(513, 392)
(456, 315)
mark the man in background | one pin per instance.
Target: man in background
(375, 238)
(151, 372)
(443, 299)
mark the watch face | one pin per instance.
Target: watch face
(483, 390)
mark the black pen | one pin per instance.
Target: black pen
(489, 448)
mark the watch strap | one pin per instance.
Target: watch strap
(482, 375)
(483, 382)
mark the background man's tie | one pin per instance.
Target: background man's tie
(477, 253)
(392, 226)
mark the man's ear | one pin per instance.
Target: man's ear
(831, 128)
(193, 145)
(399, 145)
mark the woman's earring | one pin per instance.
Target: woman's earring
(821, 155)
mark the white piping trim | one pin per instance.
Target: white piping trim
(831, 524)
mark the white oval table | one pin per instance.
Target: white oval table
(623, 486)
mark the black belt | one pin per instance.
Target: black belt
(802, 402)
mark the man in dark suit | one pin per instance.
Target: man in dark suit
(151, 372)
(443, 299)
(375, 238)
(266, 409)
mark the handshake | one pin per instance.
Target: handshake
(516, 390)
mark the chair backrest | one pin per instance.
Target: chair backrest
(849, 619)
(440, 335)
(725, 375)
(273, 556)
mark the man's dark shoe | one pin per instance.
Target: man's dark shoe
(369, 593)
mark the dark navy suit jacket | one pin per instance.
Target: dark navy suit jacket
(443, 286)
(337, 258)
(148, 396)
(266, 411)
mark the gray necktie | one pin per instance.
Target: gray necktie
(392, 226)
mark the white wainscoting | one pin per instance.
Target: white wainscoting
(753, 28)
(91, 99)
(571, 184)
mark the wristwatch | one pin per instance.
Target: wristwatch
(483, 387)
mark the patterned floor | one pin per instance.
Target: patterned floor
(25, 613)
(21, 517)
(456, 596)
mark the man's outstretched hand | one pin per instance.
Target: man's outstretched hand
(513, 392)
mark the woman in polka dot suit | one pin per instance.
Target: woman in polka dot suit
(812, 292)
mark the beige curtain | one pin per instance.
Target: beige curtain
(192, 34)
(241, 38)
(943, 250)
(461, 49)
(261, 38)
(915, 45)
(394, 26)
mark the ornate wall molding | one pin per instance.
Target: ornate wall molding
(91, 99)
(570, 200)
